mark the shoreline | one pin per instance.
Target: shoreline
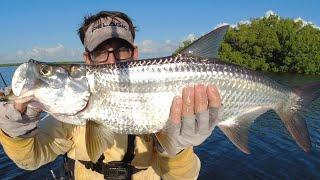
(59, 62)
(10, 64)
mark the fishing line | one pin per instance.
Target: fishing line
(4, 82)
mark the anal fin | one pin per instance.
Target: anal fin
(237, 129)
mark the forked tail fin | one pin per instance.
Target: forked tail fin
(291, 113)
(308, 92)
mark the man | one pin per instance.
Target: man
(108, 37)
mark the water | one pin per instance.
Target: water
(274, 154)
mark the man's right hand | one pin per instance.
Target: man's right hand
(18, 120)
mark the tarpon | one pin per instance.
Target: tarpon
(134, 97)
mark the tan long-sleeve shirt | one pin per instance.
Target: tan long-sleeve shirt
(55, 138)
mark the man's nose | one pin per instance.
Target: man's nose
(111, 58)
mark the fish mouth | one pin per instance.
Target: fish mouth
(24, 97)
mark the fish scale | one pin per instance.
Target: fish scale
(136, 102)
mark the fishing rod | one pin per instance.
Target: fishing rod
(2, 94)
(4, 82)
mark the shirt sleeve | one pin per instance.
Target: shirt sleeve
(53, 138)
(185, 165)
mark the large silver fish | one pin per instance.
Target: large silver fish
(134, 97)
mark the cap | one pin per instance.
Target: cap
(106, 28)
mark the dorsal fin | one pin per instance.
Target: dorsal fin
(208, 45)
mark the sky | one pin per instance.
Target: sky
(47, 30)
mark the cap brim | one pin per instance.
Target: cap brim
(96, 34)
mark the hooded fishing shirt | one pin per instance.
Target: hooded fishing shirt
(55, 138)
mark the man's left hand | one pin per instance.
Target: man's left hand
(192, 118)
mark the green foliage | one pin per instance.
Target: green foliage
(272, 44)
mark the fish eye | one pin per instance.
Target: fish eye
(45, 70)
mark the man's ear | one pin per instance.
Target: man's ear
(135, 55)
(86, 57)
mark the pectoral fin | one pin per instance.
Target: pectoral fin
(236, 129)
(98, 138)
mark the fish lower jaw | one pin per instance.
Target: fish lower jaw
(23, 98)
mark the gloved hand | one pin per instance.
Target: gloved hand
(192, 119)
(18, 120)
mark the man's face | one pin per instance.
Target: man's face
(111, 51)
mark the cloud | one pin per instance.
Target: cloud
(239, 23)
(190, 37)
(150, 48)
(48, 54)
(247, 22)
(220, 25)
(270, 13)
(147, 49)
(305, 23)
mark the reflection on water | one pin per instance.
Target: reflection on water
(274, 154)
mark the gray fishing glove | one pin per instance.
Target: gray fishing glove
(16, 124)
(192, 131)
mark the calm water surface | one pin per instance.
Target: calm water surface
(274, 154)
